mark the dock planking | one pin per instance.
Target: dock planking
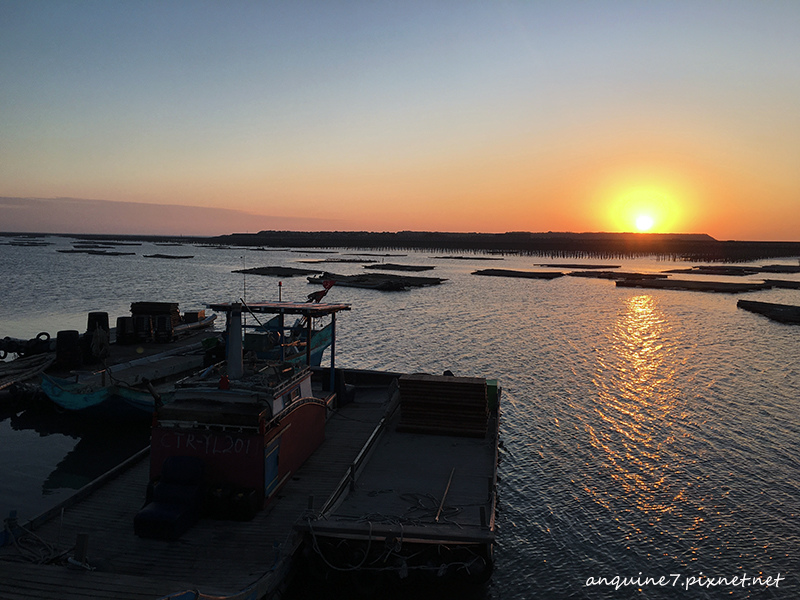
(422, 504)
(228, 559)
(406, 473)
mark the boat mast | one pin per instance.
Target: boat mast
(235, 351)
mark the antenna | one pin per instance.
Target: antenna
(244, 284)
(244, 277)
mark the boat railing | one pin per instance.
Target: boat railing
(271, 422)
(87, 489)
(348, 481)
(490, 520)
(295, 404)
(119, 369)
(177, 424)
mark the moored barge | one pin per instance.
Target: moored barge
(421, 505)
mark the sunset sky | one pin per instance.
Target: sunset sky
(673, 116)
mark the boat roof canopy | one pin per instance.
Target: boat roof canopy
(312, 309)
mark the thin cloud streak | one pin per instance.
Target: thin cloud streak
(80, 216)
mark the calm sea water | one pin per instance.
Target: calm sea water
(647, 433)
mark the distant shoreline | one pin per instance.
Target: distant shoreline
(695, 247)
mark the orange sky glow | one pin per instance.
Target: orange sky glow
(608, 116)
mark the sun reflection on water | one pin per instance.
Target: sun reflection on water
(637, 401)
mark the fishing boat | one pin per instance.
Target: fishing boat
(231, 437)
(125, 391)
(114, 373)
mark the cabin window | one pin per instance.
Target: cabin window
(294, 394)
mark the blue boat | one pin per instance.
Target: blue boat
(111, 401)
(122, 391)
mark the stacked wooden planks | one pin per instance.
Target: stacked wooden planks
(443, 405)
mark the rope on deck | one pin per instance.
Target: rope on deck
(24, 368)
(30, 547)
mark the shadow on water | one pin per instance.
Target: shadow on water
(100, 445)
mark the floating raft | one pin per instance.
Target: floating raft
(578, 266)
(169, 255)
(96, 252)
(373, 254)
(377, 281)
(783, 284)
(616, 275)
(334, 260)
(277, 271)
(469, 257)
(396, 267)
(783, 313)
(694, 286)
(780, 269)
(521, 274)
(726, 270)
(736, 271)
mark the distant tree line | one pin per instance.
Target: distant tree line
(696, 247)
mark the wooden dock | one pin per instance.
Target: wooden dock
(219, 559)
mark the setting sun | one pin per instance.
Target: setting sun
(644, 222)
(644, 207)
(640, 197)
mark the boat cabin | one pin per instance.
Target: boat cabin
(241, 429)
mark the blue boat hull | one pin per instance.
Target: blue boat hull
(106, 402)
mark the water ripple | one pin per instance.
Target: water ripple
(649, 433)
